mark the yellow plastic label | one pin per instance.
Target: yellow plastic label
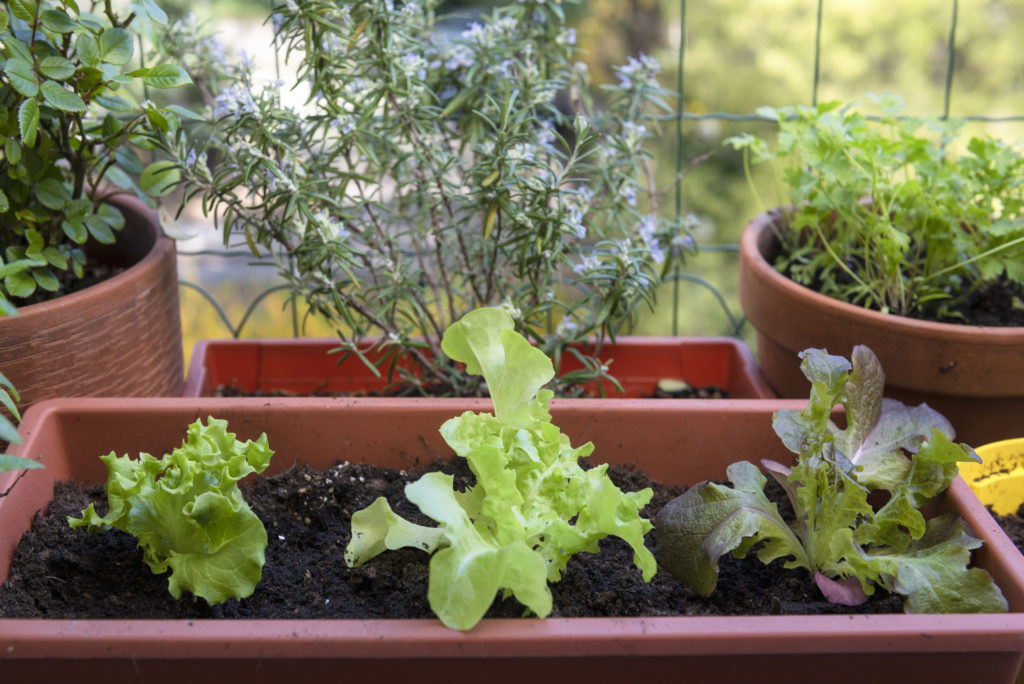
(999, 479)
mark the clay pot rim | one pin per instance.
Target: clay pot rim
(750, 252)
(154, 255)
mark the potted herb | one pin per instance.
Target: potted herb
(889, 236)
(672, 443)
(71, 131)
(421, 172)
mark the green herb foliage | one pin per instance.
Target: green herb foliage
(885, 214)
(849, 547)
(532, 506)
(431, 171)
(188, 514)
(70, 135)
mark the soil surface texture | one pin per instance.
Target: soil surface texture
(59, 572)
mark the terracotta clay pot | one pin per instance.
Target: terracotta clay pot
(305, 366)
(673, 443)
(974, 375)
(121, 337)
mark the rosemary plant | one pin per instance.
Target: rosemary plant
(429, 171)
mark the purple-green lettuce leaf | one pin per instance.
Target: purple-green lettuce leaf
(932, 571)
(187, 512)
(932, 469)
(709, 520)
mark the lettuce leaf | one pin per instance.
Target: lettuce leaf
(532, 506)
(837, 535)
(187, 512)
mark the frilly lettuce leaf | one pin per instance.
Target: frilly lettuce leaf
(532, 506)
(187, 512)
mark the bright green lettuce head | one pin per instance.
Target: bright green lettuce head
(187, 512)
(532, 506)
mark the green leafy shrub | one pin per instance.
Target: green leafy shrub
(885, 214)
(187, 513)
(532, 506)
(429, 172)
(70, 129)
(848, 546)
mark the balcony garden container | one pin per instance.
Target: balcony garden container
(974, 375)
(671, 442)
(124, 332)
(305, 367)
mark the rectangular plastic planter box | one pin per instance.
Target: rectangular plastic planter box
(303, 366)
(672, 443)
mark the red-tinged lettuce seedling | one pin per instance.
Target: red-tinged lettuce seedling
(187, 512)
(532, 506)
(849, 546)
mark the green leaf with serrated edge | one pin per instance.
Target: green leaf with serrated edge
(55, 258)
(114, 103)
(59, 98)
(57, 20)
(88, 49)
(5, 203)
(4, 20)
(116, 46)
(20, 284)
(18, 49)
(187, 513)
(932, 572)
(13, 151)
(166, 76)
(17, 266)
(22, 77)
(45, 279)
(28, 122)
(52, 194)
(56, 67)
(709, 520)
(128, 160)
(76, 232)
(100, 230)
(24, 9)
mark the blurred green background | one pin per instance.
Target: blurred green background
(737, 55)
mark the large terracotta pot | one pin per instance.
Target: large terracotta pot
(121, 337)
(673, 443)
(305, 366)
(974, 375)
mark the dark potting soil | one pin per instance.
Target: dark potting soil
(687, 392)
(59, 572)
(1013, 526)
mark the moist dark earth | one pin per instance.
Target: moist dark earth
(59, 572)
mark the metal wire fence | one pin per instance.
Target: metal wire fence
(681, 116)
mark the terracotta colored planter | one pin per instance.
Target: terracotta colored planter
(121, 337)
(673, 443)
(304, 366)
(974, 375)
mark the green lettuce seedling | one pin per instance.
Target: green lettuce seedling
(532, 506)
(849, 547)
(187, 512)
